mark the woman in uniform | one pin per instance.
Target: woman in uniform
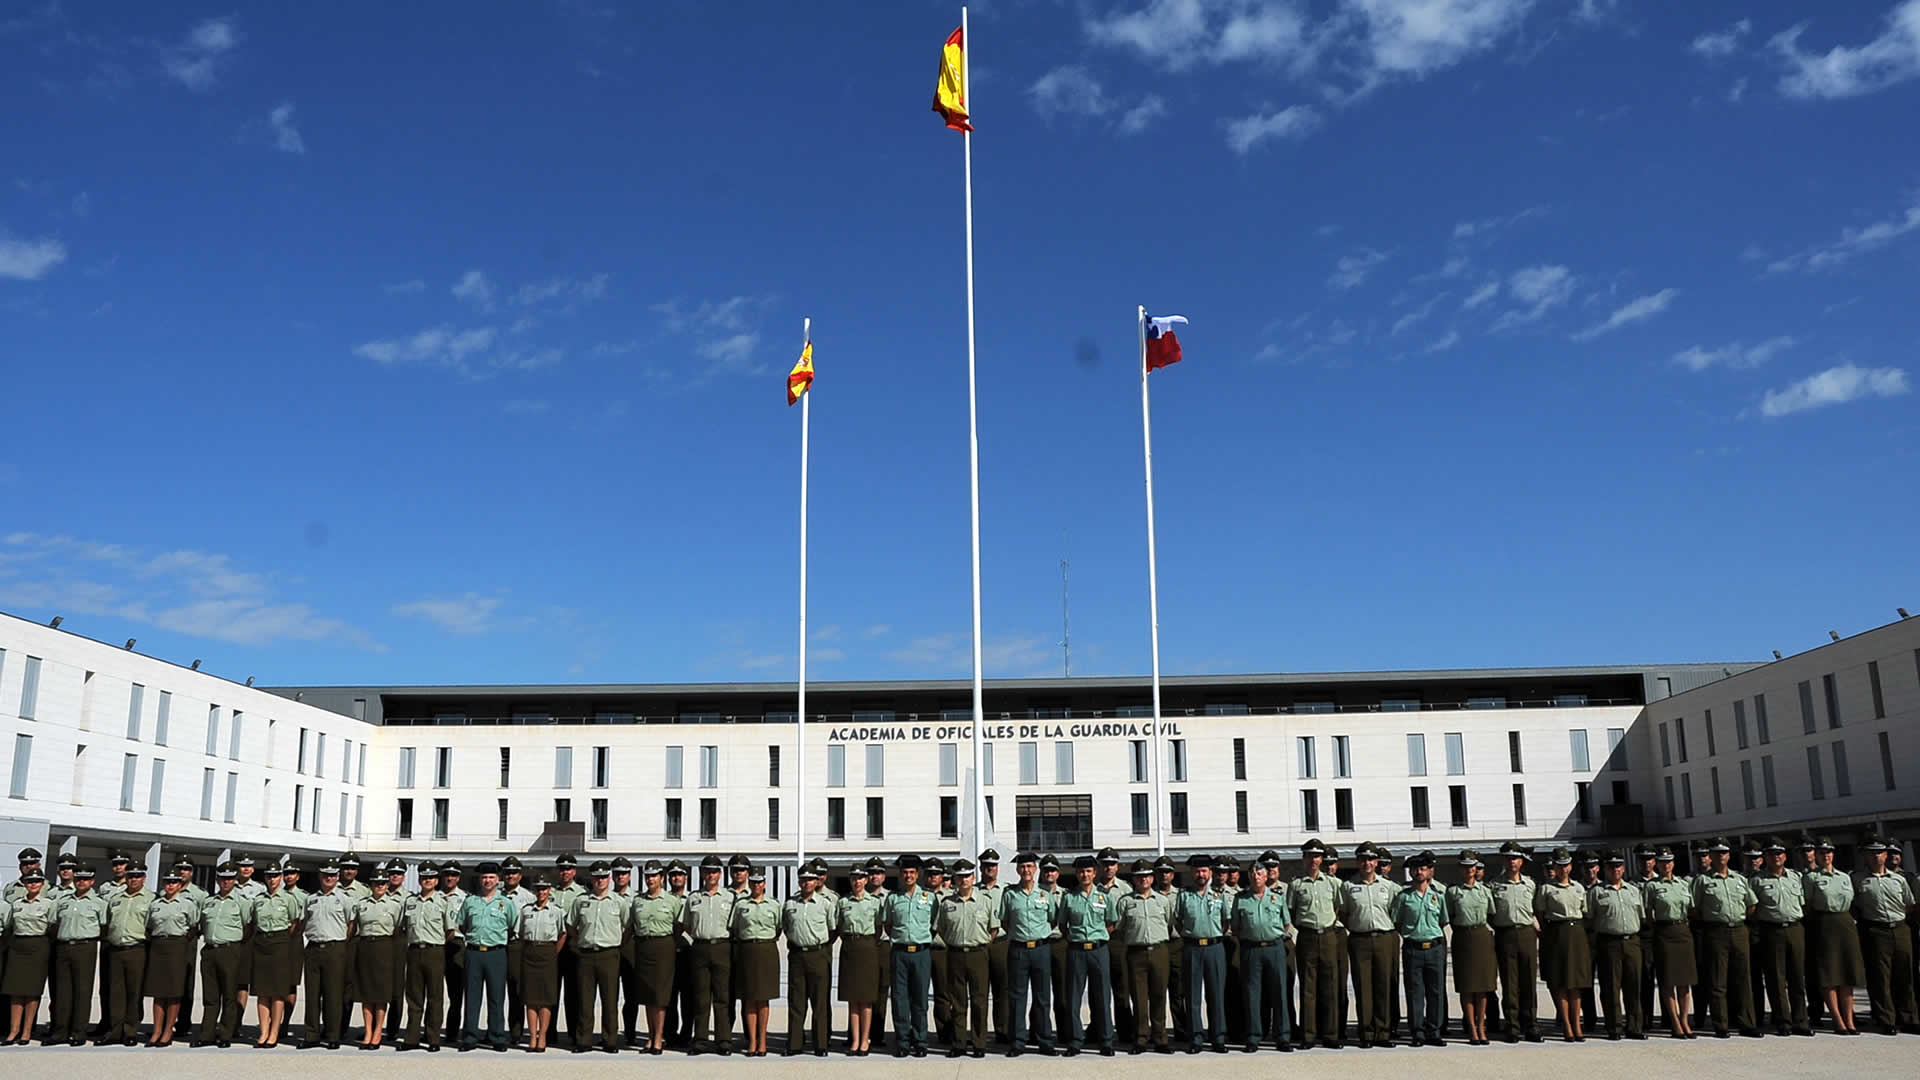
(274, 974)
(857, 919)
(543, 927)
(376, 919)
(1475, 968)
(756, 959)
(1669, 903)
(1838, 965)
(170, 925)
(28, 948)
(1565, 959)
(655, 918)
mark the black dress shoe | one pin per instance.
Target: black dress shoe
(898, 1052)
(919, 1051)
(1250, 1048)
(1534, 1037)
(1804, 1032)
(1193, 1048)
(1106, 1051)
(1722, 1033)
(1163, 1048)
(1286, 1048)
(332, 1044)
(970, 1053)
(1332, 1044)
(1751, 1033)
(1436, 1041)
(1071, 1051)
(1015, 1050)
(1048, 1051)
(434, 1048)
(955, 1052)
(1133, 1051)
(224, 1043)
(1613, 1036)
(609, 1048)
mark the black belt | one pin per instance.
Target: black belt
(804, 948)
(1769, 923)
(485, 948)
(1259, 944)
(1617, 937)
(134, 945)
(222, 944)
(426, 945)
(713, 941)
(1515, 926)
(1201, 942)
(375, 937)
(1367, 933)
(654, 937)
(909, 946)
(1669, 922)
(170, 937)
(962, 948)
(937, 947)
(1871, 925)
(1085, 946)
(1028, 944)
(1435, 943)
(597, 948)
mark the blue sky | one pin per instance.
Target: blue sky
(437, 343)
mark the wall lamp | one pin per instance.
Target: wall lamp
(55, 624)
(129, 645)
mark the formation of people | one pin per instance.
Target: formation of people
(1089, 957)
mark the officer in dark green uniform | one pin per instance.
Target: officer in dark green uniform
(1724, 900)
(79, 921)
(934, 880)
(709, 921)
(1516, 943)
(991, 890)
(1028, 914)
(967, 921)
(1780, 942)
(1165, 875)
(1312, 898)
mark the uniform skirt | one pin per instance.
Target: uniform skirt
(1565, 957)
(1673, 956)
(274, 973)
(1836, 958)
(1474, 965)
(653, 959)
(26, 974)
(167, 960)
(756, 970)
(539, 975)
(859, 969)
(373, 971)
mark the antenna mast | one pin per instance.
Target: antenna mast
(1066, 615)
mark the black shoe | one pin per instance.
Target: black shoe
(1071, 1051)
(970, 1053)
(919, 1051)
(1250, 1048)
(433, 1048)
(1106, 1051)
(332, 1044)
(955, 1052)
(1047, 1051)
(1613, 1036)
(1637, 1036)
(578, 1049)
(466, 1046)
(1804, 1032)
(1333, 1044)
(1163, 1048)
(609, 1048)
(1751, 1033)
(224, 1043)
(403, 1047)
(1015, 1050)
(1135, 1051)
(1286, 1048)
(1193, 1048)
(898, 1052)
(1383, 1043)
(1436, 1041)
(1534, 1037)
(1885, 1029)
(724, 1051)
(1219, 1048)
(1722, 1033)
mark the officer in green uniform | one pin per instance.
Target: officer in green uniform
(487, 918)
(225, 921)
(1816, 1003)
(566, 894)
(968, 921)
(1226, 882)
(1724, 900)
(541, 929)
(1200, 918)
(598, 922)
(328, 926)
(992, 890)
(807, 920)
(1616, 909)
(454, 963)
(1110, 882)
(126, 951)
(1164, 883)
(513, 875)
(1780, 942)
(1028, 913)
(1644, 857)
(1420, 916)
(427, 922)
(625, 888)
(877, 870)
(1311, 898)
(709, 917)
(80, 920)
(1365, 909)
(1056, 947)
(906, 919)
(1882, 902)
(933, 878)
(1262, 913)
(29, 863)
(356, 890)
(108, 890)
(1085, 919)
(1469, 909)
(679, 1018)
(1516, 944)
(377, 919)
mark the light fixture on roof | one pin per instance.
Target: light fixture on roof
(129, 645)
(55, 624)
(249, 680)
(1776, 654)
(1901, 610)
(1834, 634)
(196, 665)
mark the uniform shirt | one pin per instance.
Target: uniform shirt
(858, 915)
(327, 916)
(1668, 901)
(1512, 901)
(379, 917)
(427, 917)
(6, 916)
(540, 924)
(1200, 913)
(568, 895)
(177, 917)
(224, 919)
(1368, 908)
(1260, 917)
(1469, 905)
(1828, 891)
(1084, 915)
(807, 921)
(1114, 889)
(276, 911)
(111, 891)
(1882, 898)
(1782, 898)
(1554, 902)
(356, 889)
(597, 922)
(1722, 901)
(1144, 920)
(908, 917)
(79, 918)
(519, 894)
(995, 895)
(127, 918)
(17, 891)
(488, 920)
(1314, 901)
(249, 890)
(939, 893)
(656, 916)
(31, 918)
(710, 915)
(1616, 911)
(1420, 916)
(1028, 916)
(455, 899)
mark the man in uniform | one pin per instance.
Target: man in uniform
(624, 888)
(991, 890)
(1028, 914)
(598, 922)
(1516, 942)
(1882, 902)
(1420, 919)
(487, 919)
(396, 874)
(565, 895)
(1143, 920)
(1199, 916)
(1226, 882)
(79, 919)
(329, 924)
(1261, 915)
(968, 921)
(1702, 964)
(807, 920)
(224, 920)
(1312, 899)
(29, 863)
(1753, 850)
(1085, 918)
(1109, 881)
(63, 884)
(1616, 910)
(126, 940)
(1724, 900)
(454, 965)
(513, 875)
(356, 891)
(933, 879)
(1816, 1000)
(877, 870)
(1779, 941)
(429, 926)
(1056, 946)
(1365, 908)
(1645, 856)
(1164, 883)
(680, 1011)
(109, 890)
(709, 920)
(906, 918)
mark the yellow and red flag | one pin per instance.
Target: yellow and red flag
(950, 93)
(801, 377)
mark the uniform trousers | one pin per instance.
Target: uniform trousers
(126, 974)
(1729, 958)
(629, 989)
(967, 978)
(1703, 966)
(1343, 959)
(1816, 1004)
(486, 970)
(712, 970)
(884, 950)
(1030, 984)
(809, 980)
(454, 970)
(516, 1003)
(1619, 961)
(426, 994)
(1318, 953)
(997, 988)
(1236, 995)
(74, 964)
(1650, 1003)
(597, 972)
(1424, 964)
(1057, 968)
(1206, 970)
(679, 1017)
(1756, 978)
(326, 990)
(942, 1004)
(350, 991)
(397, 993)
(912, 974)
(220, 970)
(1888, 949)
(1147, 976)
(1518, 950)
(1177, 991)
(1263, 964)
(183, 1027)
(1373, 956)
(1122, 990)
(1780, 955)
(570, 993)
(1089, 978)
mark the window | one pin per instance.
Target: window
(1713, 782)
(1577, 744)
(1223, 708)
(1137, 761)
(22, 763)
(129, 764)
(949, 816)
(233, 797)
(1416, 755)
(676, 760)
(1310, 810)
(1686, 794)
(360, 774)
(1519, 804)
(773, 766)
(986, 765)
(1457, 805)
(597, 819)
(1456, 754)
(1833, 701)
(1671, 811)
(266, 794)
(1063, 763)
(1766, 780)
(1239, 759)
(602, 766)
(836, 765)
(406, 766)
(30, 689)
(1842, 783)
(440, 819)
(1617, 749)
(1760, 733)
(1707, 722)
(1680, 736)
(1342, 758)
(133, 710)
(1307, 767)
(359, 815)
(1029, 763)
(1487, 702)
(1513, 752)
(1666, 748)
(773, 818)
(709, 766)
(949, 764)
(1422, 817)
(1746, 784)
(79, 775)
(1142, 810)
(1583, 802)
(506, 767)
(1740, 725)
(300, 763)
(442, 766)
(1177, 813)
(1177, 768)
(403, 820)
(343, 814)
(346, 761)
(1301, 707)
(876, 818)
(1886, 761)
(315, 817)
(162, 719)
(836, 818)
(299, 807)
(563, 810)
(320, 755)
(500, 827)
(1816, 783)
(563, 767)
(1240, 812)
(1807, 724)
(876, 764)
(206, 794)
(673, 819)
(709, 819)
(233, 745)
(1343, 809)
(1873, 682)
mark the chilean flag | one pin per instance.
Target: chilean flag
(1162, 347)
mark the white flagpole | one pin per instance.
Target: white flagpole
(800, 717)
(1153, 603)
(973, 464)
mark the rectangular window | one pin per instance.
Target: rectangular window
(233, 797)
(406, 766)
(676, 762)
(403, 820)
(773, 766)
(1240, 824)
(1842, 783)
(1513, 752)
(1519, 804)
(1486, 702)
(1416, 755)
(129, 766)
(1141, 806)
(346, 761)
(1063, 763)
(1457, 805)
(836, 818)
(1137, 761)
(1343, 809)
(673, 819)
(709, 766)
(299, 807)
(320, 755)
(1680, 736)
(1672, 811)
(949, 816)
(1400, 704)
(597, 819)
(440, 819)
(1816, 783)
(836, 765)
(1807, 724)
(30, 689)
(233, 745)
(300, 762)
(563, 810)
(986, 765)
(709, 819)
(1713, 781)
(1307, 769)
(360, 773)
(1746, 784)
(315, 818)
(1873, 683)
(1456, 754)
(359, 815)
(949, 764)
(1740, 725)
(500, 825)
(876, 764)
(506, 767)
(1760, 733)
(442, 766)
(1666, 748)
(602, 766)
(1886, 761)
(1342, 757)
(876, 818)
(22, 763)
(1707, 722)
(1686, 794)
(1833, 701)
(1177, 813)
(343, 814)
(773, 817)
(134, 701)
(1177, 768)
(1617, 749)
(1766, 781)
(162, 720)
(563, 767)
(1422, 817)
(1239, 759)
(1029, 763)
(1583, 802)
(206, 794)
(1310, 810)
(1577, 744)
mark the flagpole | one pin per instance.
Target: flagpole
(1153, 602)
(973, 465)
(800, 717)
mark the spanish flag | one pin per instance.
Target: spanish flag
(950, 93)
(801, 377)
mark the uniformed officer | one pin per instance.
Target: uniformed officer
(1261, 915)
(1617, 913)
(907, 918)
(1724, 900)
(126, 951)
(933, 878)
(108, 890)
(1165, 875)
(327, 924)
(992, 890)
(30, 921)
(356, 890)
(969, 922)
(427, 922)
(877, 870)
(29, 864)
(487, 918)
(272, 970)
(1056, 947)
(1200, 916)
(1028, 914)
(1838, 966)
(1475, 965)
(541, 930)
(396, 871)
(454, 964)
(1085, 918)
(857, 922)
(378, 920)
(1780, 942)
(1365, 909)
(567, 893)
(1516, 942)
(1882, 902)
(807, 919)
(1644, 858)
(1806, 863)
(709, 915)
(1144, 921)
(624, 888)
(1669, 910)
(1110, 882)
(680, 1010)
(1311, 898)
(598, 923)
(1226, 882)
(655, 919)
(65, 869)
(1420, 918)
(80, 920)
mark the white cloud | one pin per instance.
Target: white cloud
(734, 313)
(1737, 91)
(1414, 317)
(1467, 230)
(1179, 34)
(286, 138)
(1481, 295)
(469, 613)
(1852, 242)
(1292, 122)
(1419, 37)
(1448, 341)
(439, 346)
(29, 260)
(1029, 655)
(1639, 309)
(1834, 386)
(877, 630)
(732, 355)
(561, 288)
(196, 61)
(1697, 359)
(1849, 71)
(475, 289)
(406, 288)
(1542, 288)
(1069, 91)
(1722, 43)
(1141, 116)
(1353, 269)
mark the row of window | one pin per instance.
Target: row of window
(1683, 807)
(1762, 734)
